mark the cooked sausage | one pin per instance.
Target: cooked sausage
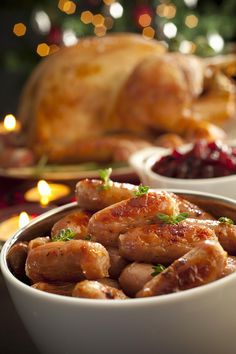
(91, 195)
(38, 241)
(106, 225)
(162, 243)
(55, 288)
(67, 261)
(230, 266)
(96, 290)
(193, 210)
(203, 264)
(117, 262)
(77, 221)
(16, 258)
(226, 233)
(134, 276)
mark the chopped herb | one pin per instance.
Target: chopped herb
(225, 220)
(87, 237)
(172, 219)
(141, 190)
(157, 269)
(105, 177)
(64, 235)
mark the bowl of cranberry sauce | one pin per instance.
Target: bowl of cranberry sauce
(201, 166)
(202, 160)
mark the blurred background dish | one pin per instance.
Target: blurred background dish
(206, 167)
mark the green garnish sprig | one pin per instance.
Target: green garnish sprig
(157, 269)
(225, 220)
(64, 235)
(105, 177)
(141, 190)
(172, 219)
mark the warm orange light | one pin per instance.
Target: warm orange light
(100, 31)
(19, 29)
(24, 219)
(145, 20)
(9, 122)
(168, 11)
(43, 49)
(108, 2)
(148, 32)
(46, 192)
(191, 21)
(86, 17)
(98, 20)
(9, 226)
(67, 6)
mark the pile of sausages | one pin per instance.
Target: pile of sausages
(119, 241)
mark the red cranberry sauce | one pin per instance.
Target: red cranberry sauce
(204, 160)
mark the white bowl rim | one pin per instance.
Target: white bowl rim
(151, 159)
(105, 304)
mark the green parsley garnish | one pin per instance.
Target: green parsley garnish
(225, 220)
(64, 235)
(87, 237)
(105, 177)
(141, 190)
(157, 269)
(172, 219)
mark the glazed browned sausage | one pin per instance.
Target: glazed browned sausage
(91, 195)
(203, 264)
(55, 288)
(96, 290)
(226, 233)
(162, 243)
(67, 261)
(230, 266)
(193, 210)
(77, 221)
(106, 225)
(134, 276)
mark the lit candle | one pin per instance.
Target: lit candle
(46, 192)
(9, 226)
(9, 125)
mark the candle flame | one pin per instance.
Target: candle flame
(23, 219)
(44, 192)
(9, 122)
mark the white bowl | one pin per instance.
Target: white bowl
(200, 320)
(143, 160)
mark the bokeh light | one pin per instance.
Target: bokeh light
(86, 17)
(19, 29)
(191, 21)
(170, 30)
(148, 32)
(43, 49)
(144, 20)
(116, 10)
